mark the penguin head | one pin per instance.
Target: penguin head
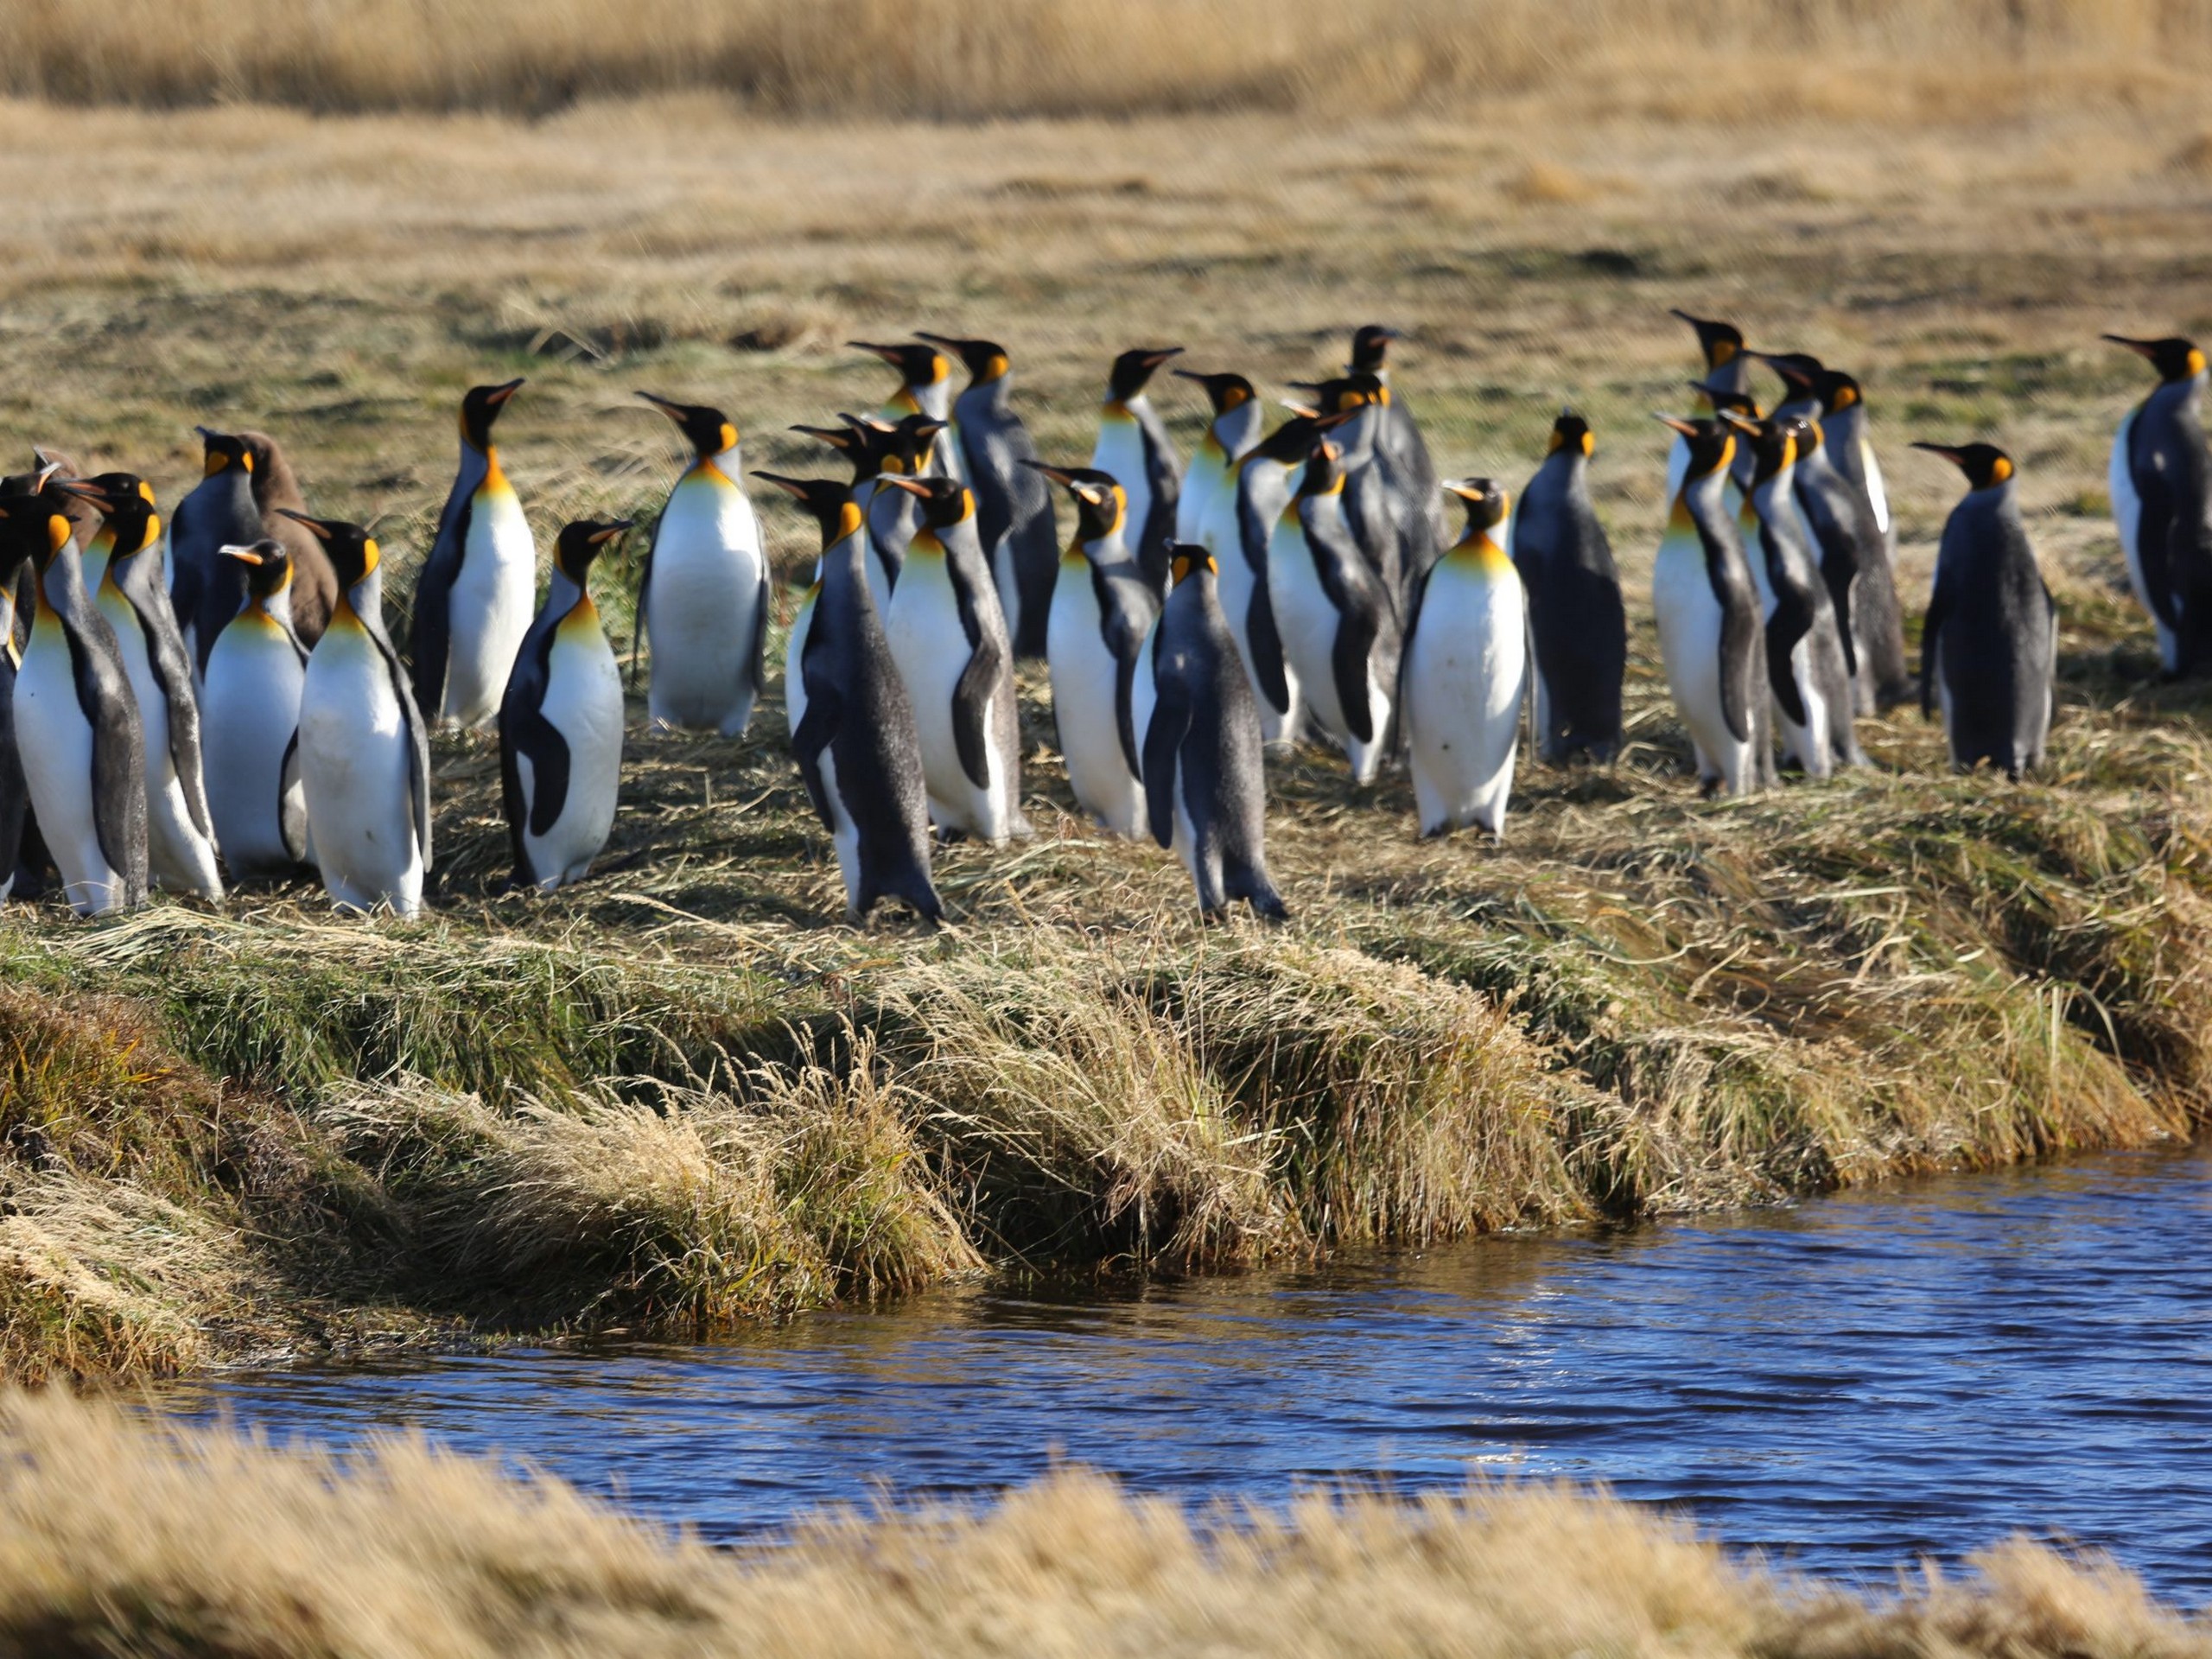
(1100, 503)
(1838, 391)
(1773, 444)
(1800, 371)
(946, 501)
(1187, 560)
(918, 364)
(1347, 394)
(856, 443)
(1726, 400)
(828, 501)
(353, 552)
(1223, 391)
(1293, 441)
(1487, 502)
(1324, 470)
(582, 541)
(34, 524)
(1133, 368)
(224, 452)
(1721, 342)
(708, 429)
(480, 407)
(1712, 446)
(984, 359)
(127, 503)
(911, 442)
(268, 566)
(1986, 466)
(1370, 347)
(1571, 433)
(2174, 358)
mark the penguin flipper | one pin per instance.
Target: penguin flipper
(1163, 747)
(118, 756)
(1125, 715)
(429, 637)
(1739, 633)
(1791, 621)
(644, 586)
(817, 729)
(757, 661)
(1267, 648)
(1358, 608)
(973, 691)
(418, 749)
(172, 667)
(291, 804)
(1931, 630)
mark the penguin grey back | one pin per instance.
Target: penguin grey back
(207, 590)
(1575, 610)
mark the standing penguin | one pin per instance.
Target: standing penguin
(364, 751)
(2162, 500)
(1989, 647)
(1231, 431)
(473, 599)
(949, 639)
(77, 730)
(1465, 675)
(702, 603)
(1102, 614)
(251, 724)
(1577, 619)
(313, 583)
(1134, 449)
(1710, 632)
(1014, 506)
(1877, 615)
(1338, 625)
(1726, 374)
(907, 449)
(561, 724)
(925, 388)
(1808, 666)
(1264, 484)
(133, 597)
(1400, 447)
(854, 735)
(1206, 789)
(207, 590)
(1391, 531)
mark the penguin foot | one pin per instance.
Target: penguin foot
(1708, 788)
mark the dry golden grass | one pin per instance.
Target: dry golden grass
(118, 1535)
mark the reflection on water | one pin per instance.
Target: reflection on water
(1850, 1383)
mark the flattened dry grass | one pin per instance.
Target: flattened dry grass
(120, 1535)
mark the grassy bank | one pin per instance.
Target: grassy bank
(117, 1535)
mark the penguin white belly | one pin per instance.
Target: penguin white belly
(249, 718)
(1202, 487)
(1809, 744)
(701, 606)
(489, 610)
(1878, 495)
(1466, 675)
(584, 702)
(931, 649)
(180, 856)
(356, 768)
(56, 741)
(844, 833)
(1120, 452)
(1220, 535)
(1689, 620)
(2127, 516)
(794, 655)
(1085, 705)
(1306, 624)
(1007, 582)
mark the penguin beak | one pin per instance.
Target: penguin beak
(1957, 457)
(836, 437)
(1680, 425)
(1154, 359)
(1465, 491)
(83, 488)
(900, 481)
(1729, 416)
(1304, 412)
(242, 555)
(1331, 451)
(498, 395)
(1053, 472)
(320, 529)
(606, 533)
(1790, 372)
(2143, 348)
(667, 406)
(890, 354)
(793, 486)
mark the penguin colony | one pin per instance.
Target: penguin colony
(219, 694)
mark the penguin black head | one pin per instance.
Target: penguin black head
(858, 444)
(1487, 501)
(268, 566)
(127, 502)
(1293, 441)
(1774, 443)
(1100, 502)
(1726, 400)
(1712, 446)
(1347, 394)
(1223, 391)
(353, 552)
(709, 429)
(224, 451)
(1985, 465)
(2174, 358)
(582, 541)
(946, 501)
(1133, 368)
(1800, 371)
(1324, 472)
(911, 442)
(830, 502)
(34, 524)
(1838, 391)
(1370, 347)
(984, 359)
(480, 407)
(918, 366)
(1721, 342)
(1572, 433)
(1187, 559)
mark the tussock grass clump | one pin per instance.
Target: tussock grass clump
(118, 1534)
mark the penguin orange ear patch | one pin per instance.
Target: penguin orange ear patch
(2000, 470)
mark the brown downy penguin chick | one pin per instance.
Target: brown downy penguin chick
(276, 492)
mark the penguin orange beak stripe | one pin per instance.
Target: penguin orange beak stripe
(1943, 450)
(1052, 472)
(607, 532)
(2145, 348)
(242, 555)
(318, 527)
(795, 486)
(84, 490)
(1682, 426)
(901, 482)
(499, 395)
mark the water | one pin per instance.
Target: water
(1848, 1384)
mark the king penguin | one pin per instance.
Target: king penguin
(1721, 345)
(1014, 505)
(1710, 629)
(250, 726)
(1404, 453)
(1206, 789)
(77, 730)
(854, 735)
(1338, 625)
(1465, 674)
(561, 723)
(1232, 428)
(1808, 667)
(1261, 490)
(133, 595)
(702, 603)
(1134, 449)
(1989, 647)
(1576, 619)
(314, 582)
(1877, 616)
(1391, 533)
(207, 590)
(2162, 500)
(364, 751)
(472, 598)
(949, 639)
(925, 388)
(1102, 614)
